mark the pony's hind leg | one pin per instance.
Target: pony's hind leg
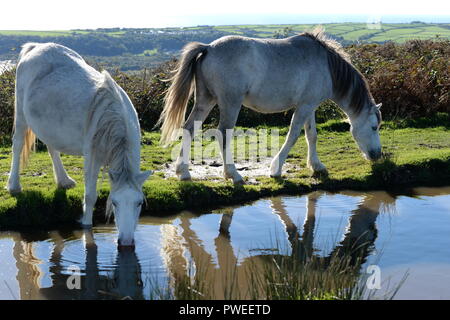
(228, 116)
(63, 181)
(19, 137)
(202, 107)
(298, 119)
(313, 161)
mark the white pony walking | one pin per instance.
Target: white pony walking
(77, 110)
(268, 76)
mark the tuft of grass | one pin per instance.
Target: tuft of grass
(299, 275)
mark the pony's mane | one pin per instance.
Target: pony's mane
(110, 142)
(346, 79)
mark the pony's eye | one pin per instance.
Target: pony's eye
(374, 128)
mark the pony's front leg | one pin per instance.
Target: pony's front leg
(91, 170)
(298, 119)
(311, 138)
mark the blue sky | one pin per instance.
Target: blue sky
(63, 15)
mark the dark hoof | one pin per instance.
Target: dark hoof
(128, 247)
(322, 174)
(277, 178)
(14, 191)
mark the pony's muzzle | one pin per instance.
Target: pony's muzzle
(374, 155)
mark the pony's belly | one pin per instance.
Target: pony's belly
(61, 140)
(266, 106)
(267, 109)
(60, 129)
(74, 148)
(271, 98)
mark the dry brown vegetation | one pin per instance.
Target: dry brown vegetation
(411, 80)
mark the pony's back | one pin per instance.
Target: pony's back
(50, 52)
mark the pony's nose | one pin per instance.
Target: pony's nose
(374, 155)
(125, 244)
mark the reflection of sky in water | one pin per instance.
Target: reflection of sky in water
(257, 220)
(42, 253)
(419, 231)
(206, 229)
(414, 234)
(7, 270)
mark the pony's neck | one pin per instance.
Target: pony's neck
(345, 104)
(353, 115)
(126, 165)
(353, 103)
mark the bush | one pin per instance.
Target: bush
(146, 91)
(7, 80)
(411, 80)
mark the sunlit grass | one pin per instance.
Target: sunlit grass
(413, 156)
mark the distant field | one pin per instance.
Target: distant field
(55, 33)
(347, 31)
(353, 31)
(132, 49)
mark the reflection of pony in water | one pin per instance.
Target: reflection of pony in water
(77, 110)
(268, 76)
(124, 281)
(232, 278)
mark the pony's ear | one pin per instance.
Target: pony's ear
(379, 105)
(141, 177)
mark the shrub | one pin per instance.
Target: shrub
(411, 80)
(7, 80)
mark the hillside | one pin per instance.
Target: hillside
(135, 49)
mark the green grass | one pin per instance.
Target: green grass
(353, 31)
(149, 52)
(418, 153)
(348, 31)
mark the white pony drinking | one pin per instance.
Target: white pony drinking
(77, 110)
(268, 76)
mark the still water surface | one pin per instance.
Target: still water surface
(407, 233)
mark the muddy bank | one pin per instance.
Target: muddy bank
(212, 170)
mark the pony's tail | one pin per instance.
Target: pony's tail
(177, 97)
(29, 141)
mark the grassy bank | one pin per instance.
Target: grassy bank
(415, 155)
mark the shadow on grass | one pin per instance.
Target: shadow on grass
(437, 120)
(42, 210)
(435, 172)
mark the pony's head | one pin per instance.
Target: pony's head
(351, 91)
(365, 130)
(125, 202)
